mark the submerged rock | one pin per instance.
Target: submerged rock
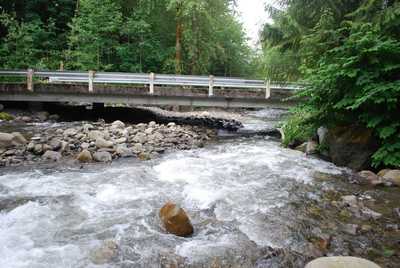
(106, 253)
(176, 220)
(341, 262)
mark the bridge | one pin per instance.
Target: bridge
(142, 89)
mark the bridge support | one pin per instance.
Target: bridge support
(211, 86)
(29, 80)
(152, 77)
(268, 89)
(91, 80)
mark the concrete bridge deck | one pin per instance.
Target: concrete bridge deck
(142, 89)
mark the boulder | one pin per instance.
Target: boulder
(10, 140)
(84, 157)
(370, 178)
(87, 127)
(102, 157)
(52, 156)
(55, 144)
(70, 132)
(123, 151)
(54, 117)
(118, 124)
(106, 253)
(43, 116)
(392, 176)
(96, 134)
(302, 147)
(38, 149)
(102, 143)
(341, 262)
(351, 146)
(176, 220)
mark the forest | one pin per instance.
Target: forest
(163, 36)
(347, 52)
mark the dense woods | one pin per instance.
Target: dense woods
(348, 53)
(165, 36)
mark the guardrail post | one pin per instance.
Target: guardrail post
(268, 89)
(91, 79)
(29, 79)
(211, 86)
(152, 77)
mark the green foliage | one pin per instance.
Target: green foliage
(350, 58)
(6, 117)
(298, 126)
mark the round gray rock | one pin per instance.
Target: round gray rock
(341, 262)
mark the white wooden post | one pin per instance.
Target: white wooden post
(152, 77)
(29, 79)
(91, 79)
(211, 86)
(268, 89)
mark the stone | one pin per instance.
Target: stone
(84, 157)
(171, 124)
(52, 155)
(95, 134)
(121, 140)
(341, 262)
(396, 212)
(55, 144)
(312, 147)
(64, 146)
(176, 220)
(102, 157)
(370, 178)
(144, 156)
(70, 132)
(369, 213)
(38, 149)
(118, 124)
(392, 176)
(140, 138)
(26, 119)
(8, 140)
(351, 229)
(43, 116)
(350, 200)
(85, 145)
(30, 146)
(102, 143)
(123, 151)
(106, 253)
(152, 124)
(351, 146)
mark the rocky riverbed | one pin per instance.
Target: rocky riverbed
(43, 139)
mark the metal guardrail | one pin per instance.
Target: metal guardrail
(151, 79)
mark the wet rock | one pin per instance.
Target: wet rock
(350, 229)
(87, 127)
(85, 156)
(351, 146)
(392, 176)
(144, 156)
(102, 143)
(369, 213)
(26, 119)
(370, 178)
(106, 253)
(102, 157)
(350, 200)
(85, 145)
(123, 151)
(52, 156)
(38, 149)
(176, 220)
(341, 262)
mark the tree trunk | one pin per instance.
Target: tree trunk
(178, 45)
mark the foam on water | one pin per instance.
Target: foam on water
(229, 191)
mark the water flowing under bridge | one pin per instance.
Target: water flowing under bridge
(142, 89)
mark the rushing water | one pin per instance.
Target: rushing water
(239, 194)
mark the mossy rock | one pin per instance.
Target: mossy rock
(6, 116)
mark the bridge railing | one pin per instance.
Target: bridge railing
(151, 80)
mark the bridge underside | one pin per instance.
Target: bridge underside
(111, 94)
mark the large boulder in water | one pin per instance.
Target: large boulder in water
(391, 175)
(341, 262)
(175, 220)
(351, 146)
(85, 156)
(9, 140)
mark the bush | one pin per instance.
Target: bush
(6, 117)
(298, 127)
